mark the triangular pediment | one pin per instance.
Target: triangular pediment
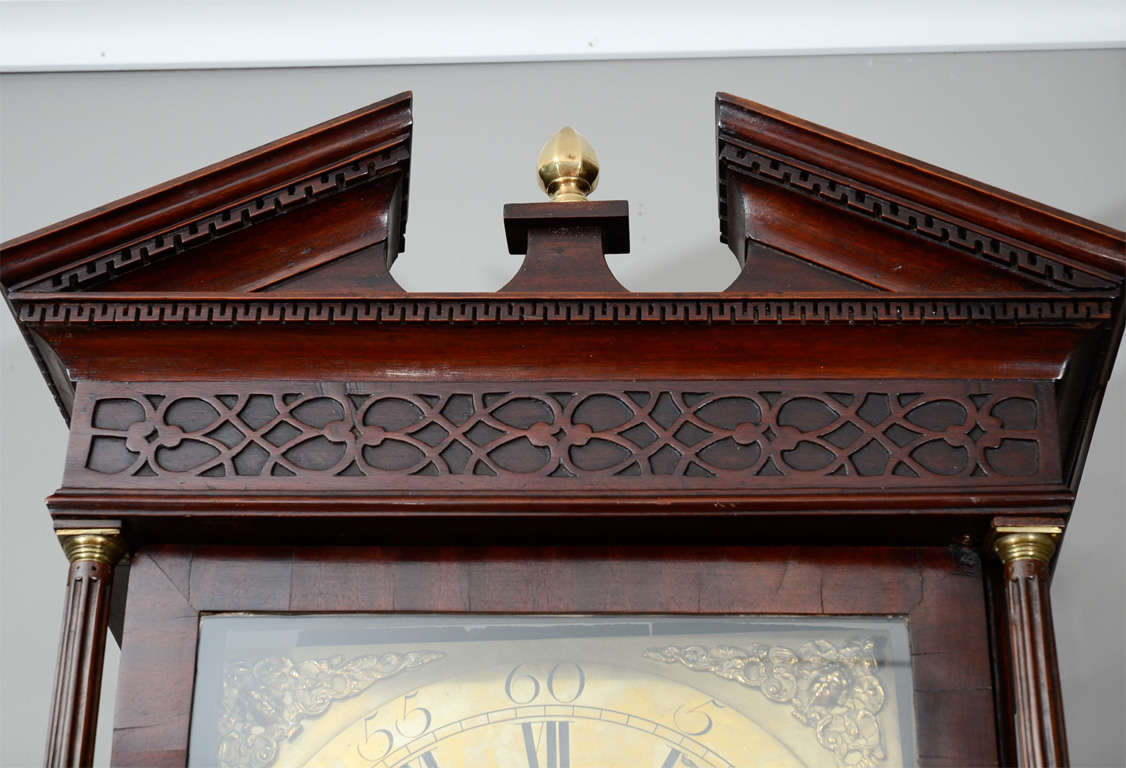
(805, 208)
(322, 210)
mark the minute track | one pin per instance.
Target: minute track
(526, 718)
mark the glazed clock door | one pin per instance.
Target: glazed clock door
(453, 691)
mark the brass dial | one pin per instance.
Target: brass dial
(551, 692)
(565, 714)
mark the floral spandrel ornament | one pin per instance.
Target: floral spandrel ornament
(264, 702)
(835, 690)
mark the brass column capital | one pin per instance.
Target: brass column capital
(1037, 543)
(99, 545)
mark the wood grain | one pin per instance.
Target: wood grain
(74, 711)
(866, 275)
(1029, 653)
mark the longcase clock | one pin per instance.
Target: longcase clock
(808, 520)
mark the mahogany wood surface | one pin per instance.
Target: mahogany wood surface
(229, 349)
(769, 270)
(938, 590)
(259, 199)
(888, 259)
(255, 258)
(1028, 651)
(529, 437)
(609, 217)
(74, 711)
(511, 519)
(571, 257)
(743, 122)
(493, 352)
(380, 127)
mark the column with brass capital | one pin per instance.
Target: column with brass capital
(93, 553)
(1029, 645)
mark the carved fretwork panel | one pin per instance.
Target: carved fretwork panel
(566, 436)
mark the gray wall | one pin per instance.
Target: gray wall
(1049, 126)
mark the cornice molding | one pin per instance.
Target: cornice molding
(1050, 270)
(375, 138)
(365, 168)
(706, 309)
(838, 516)
(1007, 231)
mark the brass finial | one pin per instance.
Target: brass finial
(568, 167)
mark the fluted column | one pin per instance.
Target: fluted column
(93, 553)
(1033, 671)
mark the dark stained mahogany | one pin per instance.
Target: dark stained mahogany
(1030, 648)
(436, 348)
(74, 709)
(907, 357)
(610, 217)
(566, 245)
(260, 180)
(305, 241)
(844, 172)
(557, 436)
(239, 219)
(1026, 670)
(937, 589)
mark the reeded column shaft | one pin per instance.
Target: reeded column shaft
(78, 682)
(1033, 670)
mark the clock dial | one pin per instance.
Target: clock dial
(565, 714)
(551, 692)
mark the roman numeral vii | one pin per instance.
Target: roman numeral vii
(556, 737)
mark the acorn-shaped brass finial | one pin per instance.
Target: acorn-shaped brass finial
(568, 167)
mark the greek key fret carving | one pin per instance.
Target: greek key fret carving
(703, 310)
(264, 702)
(548, 436)
(835, 690)
(101, 267)
(820, 184)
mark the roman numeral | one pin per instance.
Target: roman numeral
(557, 736)
(676, 757)
(426, 760)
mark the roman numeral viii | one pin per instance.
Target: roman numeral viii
(675, 758)
(426, 760)
(556, 738)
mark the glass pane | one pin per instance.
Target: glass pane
(457, 691)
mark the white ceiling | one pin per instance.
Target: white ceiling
(54, 35)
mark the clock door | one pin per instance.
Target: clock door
(567, 691)
(555, 657)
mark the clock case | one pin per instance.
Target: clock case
(909, 364)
